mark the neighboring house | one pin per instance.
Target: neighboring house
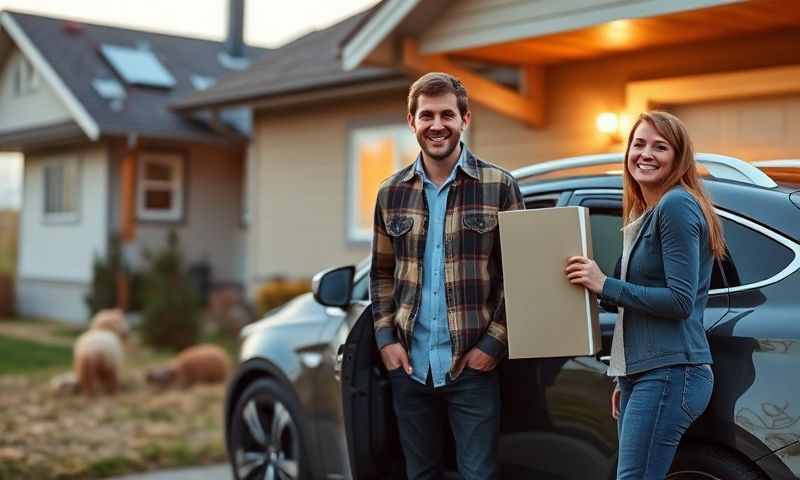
(329, 108)
(87, 105)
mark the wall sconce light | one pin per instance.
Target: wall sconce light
(615, 125)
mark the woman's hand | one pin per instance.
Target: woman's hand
(583, 271)
(615, 403)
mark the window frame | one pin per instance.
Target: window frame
(62, 216)
(354, 235)
(787, 270)
(177, 161)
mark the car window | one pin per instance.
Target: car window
(361, 289)
(541, 202)
(606, 238)
(752, 256)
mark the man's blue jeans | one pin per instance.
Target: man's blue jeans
(656, 409)
(471, 403)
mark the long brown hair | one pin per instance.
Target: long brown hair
(684, 173)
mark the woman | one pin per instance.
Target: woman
(660, 354)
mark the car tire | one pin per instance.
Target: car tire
(711, 462)
(266, 434)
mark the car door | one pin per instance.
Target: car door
(373, 443)
(330, 422)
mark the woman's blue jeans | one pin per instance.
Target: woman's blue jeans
(656, 409)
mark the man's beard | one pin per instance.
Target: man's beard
(452, 141)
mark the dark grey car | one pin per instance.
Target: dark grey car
(310, 399)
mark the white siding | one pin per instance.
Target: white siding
(476, 23)
(55, 259)
(35, 109)
(55, 251)
(57, 300)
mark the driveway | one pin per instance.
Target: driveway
(211, 472)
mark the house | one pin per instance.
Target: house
(88, 106)
(547, 79)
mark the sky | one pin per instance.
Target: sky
(268, 23)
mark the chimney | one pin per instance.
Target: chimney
(234, 43)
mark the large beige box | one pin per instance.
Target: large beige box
(547, 316)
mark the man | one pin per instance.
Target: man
(437, 287)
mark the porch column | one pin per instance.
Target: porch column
(127, 217)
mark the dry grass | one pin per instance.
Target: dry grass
(73, 437)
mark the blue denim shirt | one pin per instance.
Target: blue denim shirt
(430, 343)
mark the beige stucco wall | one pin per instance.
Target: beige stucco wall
(301, 161)
(299, 204)
(212, 229)
(38, 108)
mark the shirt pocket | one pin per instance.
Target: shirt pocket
(479, 230)
(399, 225)
(480, 222)
(402, 229)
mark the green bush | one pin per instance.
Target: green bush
(103, 291)
(169, 306)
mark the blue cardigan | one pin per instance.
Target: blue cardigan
(666, 287)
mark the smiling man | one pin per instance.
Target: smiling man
(437, 287)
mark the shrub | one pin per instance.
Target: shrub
(279, 290)
(105, 271)
(169, 306)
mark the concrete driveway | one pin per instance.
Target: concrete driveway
(211, 472)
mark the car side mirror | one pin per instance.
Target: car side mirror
(334, 287)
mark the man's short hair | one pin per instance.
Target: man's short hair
(436, 84)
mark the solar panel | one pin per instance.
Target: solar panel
(138, 66)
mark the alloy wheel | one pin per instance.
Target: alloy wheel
(268, 443)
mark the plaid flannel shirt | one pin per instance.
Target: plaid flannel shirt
(473, 268)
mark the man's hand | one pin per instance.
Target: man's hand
(394, 356)
(615, 403)
(476, 359)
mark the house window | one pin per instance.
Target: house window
(159, 190)
(61, 183)
(375, 154)
(26, 80)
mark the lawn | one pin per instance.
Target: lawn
(47, 435)
(24, 356)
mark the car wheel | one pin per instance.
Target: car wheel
(709, 462)
(266, 440)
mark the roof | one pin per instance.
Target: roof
(75, 57)
(309, 63)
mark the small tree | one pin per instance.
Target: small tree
(170, 307)
(105, 274)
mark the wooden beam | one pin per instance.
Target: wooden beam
(527, 108)
(647, 94)
(128, 197)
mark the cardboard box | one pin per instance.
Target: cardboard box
(547, 316)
